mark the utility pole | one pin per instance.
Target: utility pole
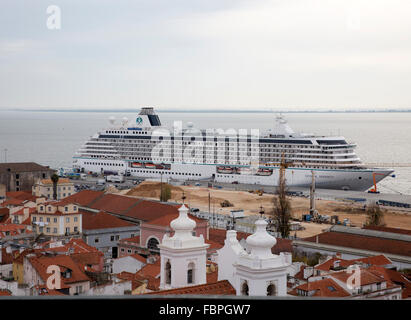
(5, 155)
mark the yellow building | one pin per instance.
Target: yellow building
(57, 219)
(44, 188)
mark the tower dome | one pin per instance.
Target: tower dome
(260, 243)
(183, 225)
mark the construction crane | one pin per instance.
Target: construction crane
(374, 190)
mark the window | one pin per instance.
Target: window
(271, 290)
(48, 230)
(41, 219)
(34, 219)
(190, 273)
(68, 219)
(152, 244)
(68, 230)
(55, 219)
(75, 229)
(244, 289)
(48, 219)
(117, 237)
(112, 238)
(55, 230)
(122, 250)
(17, 176)
(168, 272)
(66, 209)
(96, 240)
(75, 219)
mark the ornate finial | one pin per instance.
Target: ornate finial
(261, 211)
(183, 197)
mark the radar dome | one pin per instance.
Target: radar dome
(190, 125)
(124, 121)
(112, 120)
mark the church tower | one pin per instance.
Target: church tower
(183, 256)
(261, 273)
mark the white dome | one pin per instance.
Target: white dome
(261, 242)
(183, 223)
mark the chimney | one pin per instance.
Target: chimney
(337, 264)
(338, 255)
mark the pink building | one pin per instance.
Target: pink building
(153, 231)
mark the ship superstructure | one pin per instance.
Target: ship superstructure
(147, 149)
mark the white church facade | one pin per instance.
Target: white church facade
(256, 272)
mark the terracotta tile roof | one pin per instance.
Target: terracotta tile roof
(138, 280)
(5, 292)
(396, 278)
(213, 245)
(21, 211)
(366, 276)
(12, 229)
(13, 202)
(166, 219)
(323, 288)
(222, 287)
(44, 291)
(22, 167)
(388, 229)
(219, 235)
(4, 214)
(84, 197)
(123, 205)
(61, 181)
(7, 258)
(363, 242)
(282, 245)
(139, 258)
(40, 264)
(102, 220)
(135, 240)
(150, 269)
(88, 258)
(379, 260)
(145, 210)
(21, 195)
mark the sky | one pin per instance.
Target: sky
(206, 54)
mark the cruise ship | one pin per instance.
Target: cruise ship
(146, 149)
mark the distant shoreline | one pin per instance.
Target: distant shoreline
(208, 111)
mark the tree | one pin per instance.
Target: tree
(55, 179)
(165, 193)
(282, 208)
(375, 216)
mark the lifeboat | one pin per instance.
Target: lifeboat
(150, 166)
(225, 170)
(136, 165)
(264, 172)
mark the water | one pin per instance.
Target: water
(51, 138)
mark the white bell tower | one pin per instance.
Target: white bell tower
(183, 256)
(261, 273)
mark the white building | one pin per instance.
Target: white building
(183, 256)
(259, 272)
(131, 263)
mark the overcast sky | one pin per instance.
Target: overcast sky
(240, 54)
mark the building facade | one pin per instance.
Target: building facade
(22, 175)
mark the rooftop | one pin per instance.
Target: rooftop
(222, 287)
(16, 167)
(102, 220)
(323, 288)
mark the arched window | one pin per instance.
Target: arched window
(271, 290)
(168, 272)
(244, 289)
(152, 244)
(190, 273)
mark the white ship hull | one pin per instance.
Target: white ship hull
(359, 179)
